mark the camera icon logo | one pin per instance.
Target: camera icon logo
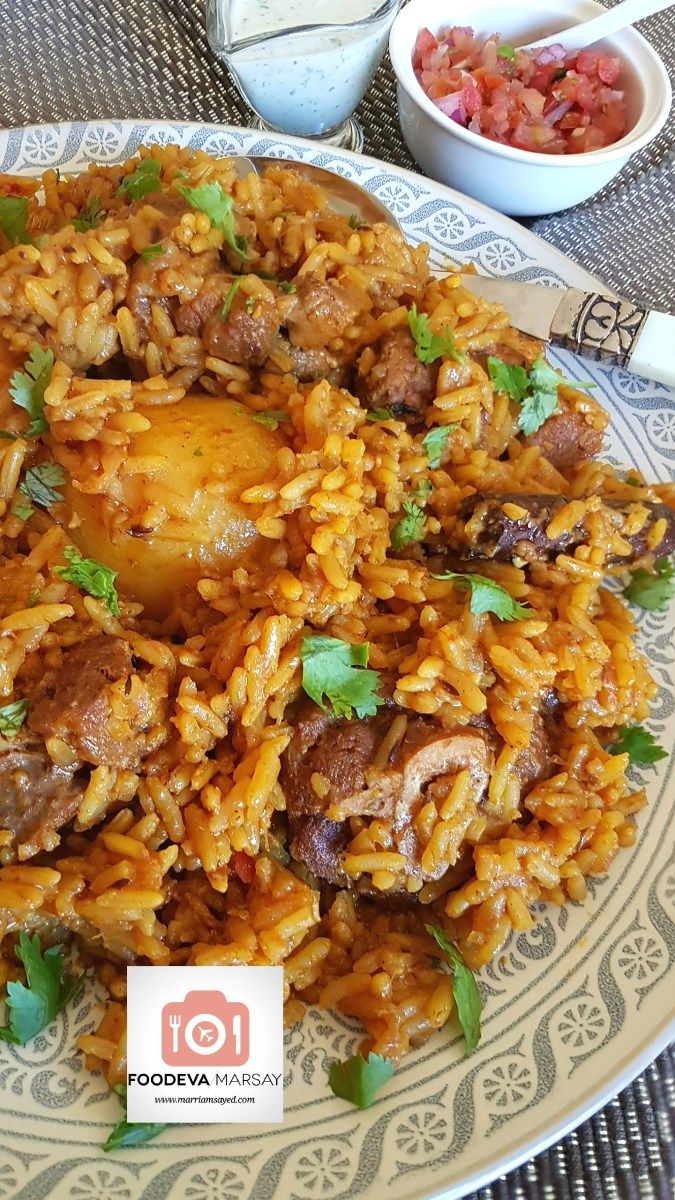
(205, 1029)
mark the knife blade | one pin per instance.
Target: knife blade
(587, 323)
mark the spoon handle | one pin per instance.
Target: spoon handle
(586, 33)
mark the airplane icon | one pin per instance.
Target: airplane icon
(206, 1033)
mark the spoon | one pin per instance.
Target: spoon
(344, 197)
(586, 33)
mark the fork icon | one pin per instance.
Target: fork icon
(175, 1022)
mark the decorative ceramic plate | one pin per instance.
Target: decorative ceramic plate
(575, 1007)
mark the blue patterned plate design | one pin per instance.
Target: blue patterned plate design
(574, 1008)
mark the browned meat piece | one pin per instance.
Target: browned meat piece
(536, 762)
(246, 335)
(331, 773)
(34, 793)
(567, 439)
(74, 703)
(191, 316)
(487, 531)
(322, 311)
(310, 365)
(398, 381)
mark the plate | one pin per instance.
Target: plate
(575, 1007)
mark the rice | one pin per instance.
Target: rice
(179, 858)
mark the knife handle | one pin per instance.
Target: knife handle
(617, 331)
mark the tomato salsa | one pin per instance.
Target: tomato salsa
(549, 100)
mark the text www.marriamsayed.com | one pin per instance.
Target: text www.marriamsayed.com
(207, 1099)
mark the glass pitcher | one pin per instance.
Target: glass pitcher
(299, 77)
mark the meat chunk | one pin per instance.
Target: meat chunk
(512, 527)
(398, 380)
(35, 794)
(323, 310)
(333, 771)
(247, 333)
(74, 703)
(192, 315)
(536, 762)
(570, 437)
(311, 365)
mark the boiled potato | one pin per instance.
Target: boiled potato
(166, 529)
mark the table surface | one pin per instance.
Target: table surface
(74, 59)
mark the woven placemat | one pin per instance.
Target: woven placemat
(75, 59)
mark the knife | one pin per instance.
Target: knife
(587, 323)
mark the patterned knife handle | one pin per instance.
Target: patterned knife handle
(601, 327)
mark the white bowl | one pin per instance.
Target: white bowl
(521, 182)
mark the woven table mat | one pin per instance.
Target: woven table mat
(75, 59)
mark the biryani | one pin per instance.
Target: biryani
(308, 653)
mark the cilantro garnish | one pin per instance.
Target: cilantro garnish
(152, 251)
(271, 419)
(91, 577)
(507, 52)
(32, 598)
(14, 219)
(198, 453)
(27, 388)
(430, 346)
(434, 443)
(40, 483)
(640, 745)
(652, 590)
(336, 669)
(129, 1133)
(12, 717)
(358, 1079)
(511, 380)
(250, 305)
(210, 198)
(282, 284)
(22, 511)
(536, 391)
(464, 989)
(32, 1006)
(228, 298)
(488, 597)
(89, 217)
(409, 527)
(380, 414)
(142, 181)
(422, 489)
(356, 222)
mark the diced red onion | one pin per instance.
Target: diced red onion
(559, 111)
(551, 54)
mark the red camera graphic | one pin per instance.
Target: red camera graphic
(205, 1029)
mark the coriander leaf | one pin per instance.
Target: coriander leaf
(336, 669)
(488, 597)
(32, 598)
(129, 1133)
(14, 219)
(409, 527)
(422, 490)
(197, 453)
(32, 1006)
(250, 305)
(142, 181)
(22, 511)
(27, 388)
(506, 51)
(271, 419)
(640, 745)
(381, 414)
(282, 284)
(358, 1079)
(434, 443)
(228, 298)
(357, 222)
(12, 717)
(152, 251)
(429, 346)
(89, 217)
(91, 577)
(652, 590)
(40, 483)
(464, 989)
(510, 380)
(632, 481)
(210, 198)
(542, 402)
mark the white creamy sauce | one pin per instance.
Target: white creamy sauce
(304, 83)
